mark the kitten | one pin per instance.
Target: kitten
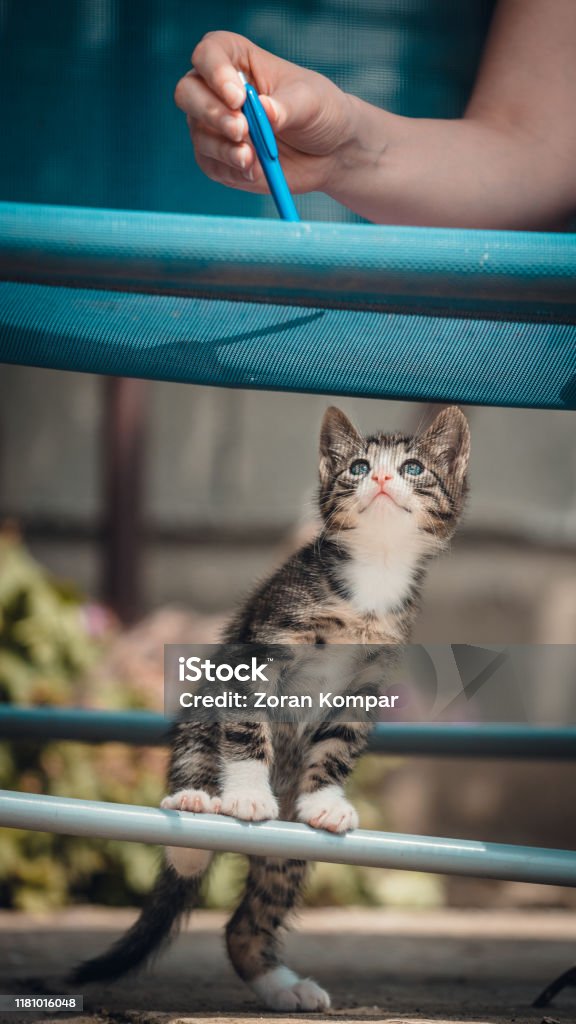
(388, 503)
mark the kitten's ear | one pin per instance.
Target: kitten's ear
(448, 440)
(337, 435)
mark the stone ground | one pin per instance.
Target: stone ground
(397, 967)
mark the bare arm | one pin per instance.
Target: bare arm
(509, 162)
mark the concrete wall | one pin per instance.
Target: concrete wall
(240, 458)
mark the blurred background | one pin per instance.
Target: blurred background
(138, 513)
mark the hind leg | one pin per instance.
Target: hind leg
(193, 782)
(273, 888)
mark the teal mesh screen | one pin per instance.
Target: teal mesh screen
(87, 116)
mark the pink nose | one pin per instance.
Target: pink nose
(382, 478)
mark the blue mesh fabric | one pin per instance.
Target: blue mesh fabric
(250, 345)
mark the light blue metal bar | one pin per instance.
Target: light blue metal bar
(508, 740)
(341, 265)
(286, 839)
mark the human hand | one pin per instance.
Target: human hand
(311, 116)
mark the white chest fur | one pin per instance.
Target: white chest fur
(384, 555)
(378, 585)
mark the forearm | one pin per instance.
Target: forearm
(471, 172)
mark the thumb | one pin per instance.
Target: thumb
(276, 111)
(295, 107)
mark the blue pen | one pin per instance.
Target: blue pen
(265, 145)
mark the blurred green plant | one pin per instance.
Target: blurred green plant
(50, 641)
(43, 640)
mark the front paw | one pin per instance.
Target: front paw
(327, 808)
(250, 807)
(195, 800)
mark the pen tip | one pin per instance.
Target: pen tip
(242, 78)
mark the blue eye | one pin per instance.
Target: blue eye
(359, 467)
(413, 468)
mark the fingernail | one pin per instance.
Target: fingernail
(233, 94)
(249, 174)
(241, 157)
(233, 127)
(274, 106)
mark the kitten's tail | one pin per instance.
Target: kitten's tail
(171, 897)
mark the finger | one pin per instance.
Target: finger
(249, 181)
(293, 107)
(237, 155)
(197, 101)
(272, 108)
(220, 173)
(281, 111)
(217, 58)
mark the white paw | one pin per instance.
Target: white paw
(327, 808)
(304, 995)
(195, 800)
(256, 806)
(281, 989)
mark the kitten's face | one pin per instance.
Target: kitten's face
(393, 483)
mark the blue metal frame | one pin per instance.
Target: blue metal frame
(216, 832)
(512, 273)
(474, 317)
(509, 740)
(287, 839)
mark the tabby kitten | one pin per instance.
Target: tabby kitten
(388, 503)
